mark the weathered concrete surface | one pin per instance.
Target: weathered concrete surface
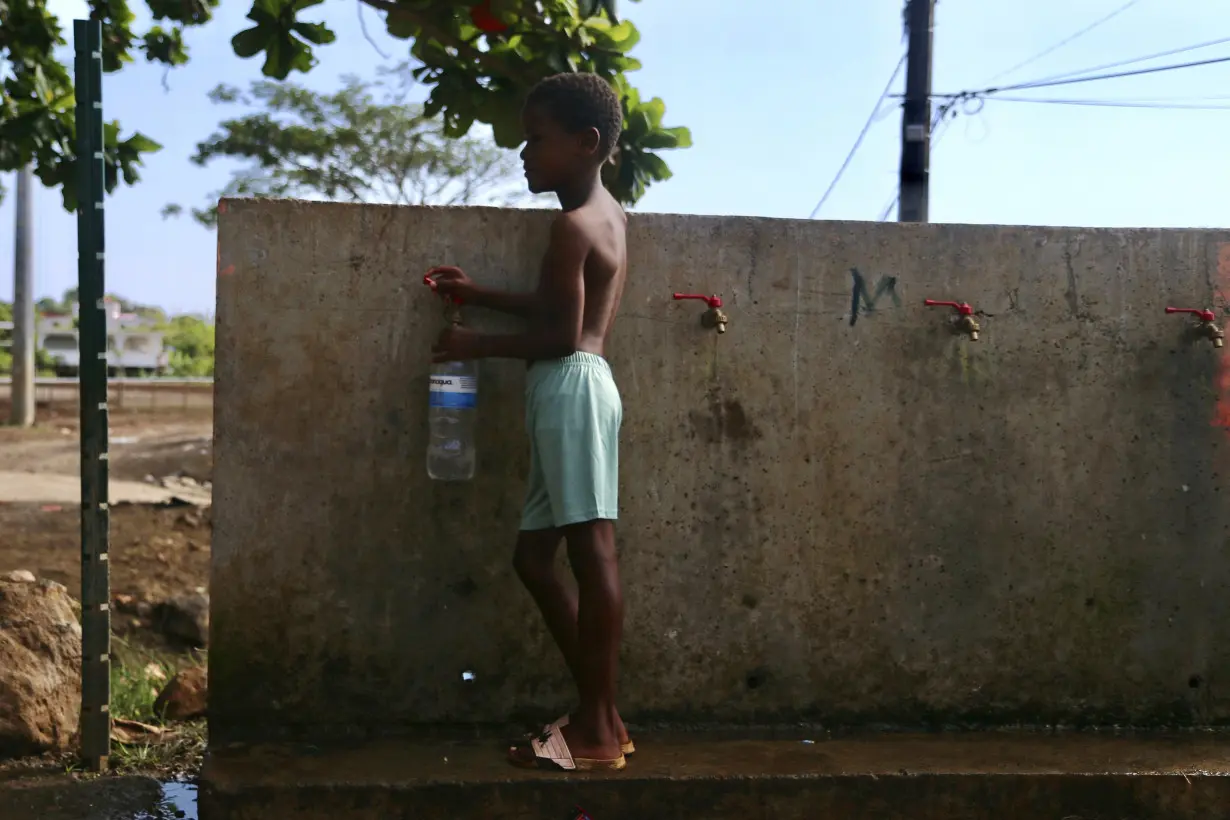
(56, 795)
(876, 521)
(911, 778)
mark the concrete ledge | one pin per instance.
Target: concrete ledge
(911, 777)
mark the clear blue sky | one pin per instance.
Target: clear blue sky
(774, 97)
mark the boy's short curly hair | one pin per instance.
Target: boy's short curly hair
(579, 101)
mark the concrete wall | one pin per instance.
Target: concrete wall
(852, 521)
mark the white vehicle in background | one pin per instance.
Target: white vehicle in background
(134, 348)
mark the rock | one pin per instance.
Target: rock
(40, 668)
(184, 618)
(185, 696)
(19, 576)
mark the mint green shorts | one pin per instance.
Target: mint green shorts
(572, 414)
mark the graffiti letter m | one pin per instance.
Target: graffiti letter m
(864, 300)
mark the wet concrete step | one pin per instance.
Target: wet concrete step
(898, 777)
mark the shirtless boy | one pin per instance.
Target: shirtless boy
(573, 409)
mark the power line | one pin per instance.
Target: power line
(1116, 75)
(986, 92)
(1152, 105)
(1071, 37)
(859, 140)
(1119, 64)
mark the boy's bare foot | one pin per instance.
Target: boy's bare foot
(592, 742)
(621, 731)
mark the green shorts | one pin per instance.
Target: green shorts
(572, 414)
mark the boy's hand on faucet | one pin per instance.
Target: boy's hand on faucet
(452, 281)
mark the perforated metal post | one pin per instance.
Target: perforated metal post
(92, 392)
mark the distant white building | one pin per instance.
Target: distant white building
(134, 348)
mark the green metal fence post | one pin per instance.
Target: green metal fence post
(92, 397)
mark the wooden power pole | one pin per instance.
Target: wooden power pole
(916, 113)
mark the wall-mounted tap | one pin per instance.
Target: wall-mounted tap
(965, 323)
(713, 317)
(1206, 327)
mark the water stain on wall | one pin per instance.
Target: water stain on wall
(723, 420)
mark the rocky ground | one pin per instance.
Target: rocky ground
(161, 468)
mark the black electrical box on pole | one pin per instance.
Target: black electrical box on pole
(916, 113)
(92, 390)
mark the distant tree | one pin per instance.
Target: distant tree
(191, 339)
(59, 307)
(362, 143)
(44, 365)
(6, 353)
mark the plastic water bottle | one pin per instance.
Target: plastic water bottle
(451, 409)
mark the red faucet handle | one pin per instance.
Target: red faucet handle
(713, 301)
(431, 283)
(962, 308)
(1203, 315)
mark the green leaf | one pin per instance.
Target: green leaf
(654, 111)
(402, 26)
(588, 8)
(252, 41)
(315, 33)
(638, 124)
(658, 140)
(624, 35)
(142, 144)
(682, 135)
(266, 10)
(653, 165)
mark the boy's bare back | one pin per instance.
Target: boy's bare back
(600, 225)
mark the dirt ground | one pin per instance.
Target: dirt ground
(157, 550)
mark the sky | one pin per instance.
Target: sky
(775, 95)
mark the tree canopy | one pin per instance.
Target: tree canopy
(362, 143)
(478, 57)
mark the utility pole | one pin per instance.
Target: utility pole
(22, 393)
(916, 113)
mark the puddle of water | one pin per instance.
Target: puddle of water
(178, 802)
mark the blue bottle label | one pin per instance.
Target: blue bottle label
(454, 392)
